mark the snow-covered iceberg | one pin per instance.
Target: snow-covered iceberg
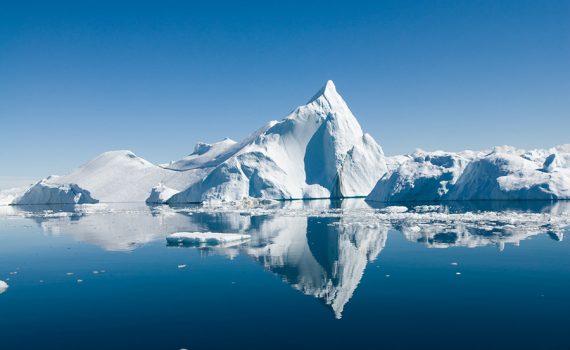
(318, 151)
(504, 173)
(47, 192)
(7, 196)
(160, 193)
(116, 176)
(509, 176)
(423, 176)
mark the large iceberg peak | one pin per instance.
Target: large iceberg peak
(318, 151)
(326, 92)
(329, 100)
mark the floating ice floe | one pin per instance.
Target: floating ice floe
(205, 238)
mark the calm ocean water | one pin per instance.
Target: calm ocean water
(314, 275)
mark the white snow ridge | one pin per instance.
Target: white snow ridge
(317, 151)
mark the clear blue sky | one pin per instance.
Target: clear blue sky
(156, 77)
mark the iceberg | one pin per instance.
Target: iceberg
(507, 176)
(7, 196)
(112, 177)
(317, 151)
(46, 192)
(504, 173)
(160, 193)
(424, 176)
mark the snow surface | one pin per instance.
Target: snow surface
(205, 238)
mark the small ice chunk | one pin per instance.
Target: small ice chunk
(393, 209)
(79, 281)
(3, 286)
(458, 273)
(454, 264)
(69, 273)
(181, 266)
(427, 208)
(205, 238)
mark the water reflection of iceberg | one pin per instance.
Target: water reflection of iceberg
(461, 236)
(116, 228)
(316, 257)
(320, 248)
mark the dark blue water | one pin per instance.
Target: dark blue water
(307, 282)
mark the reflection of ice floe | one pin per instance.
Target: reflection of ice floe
(205, 238)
